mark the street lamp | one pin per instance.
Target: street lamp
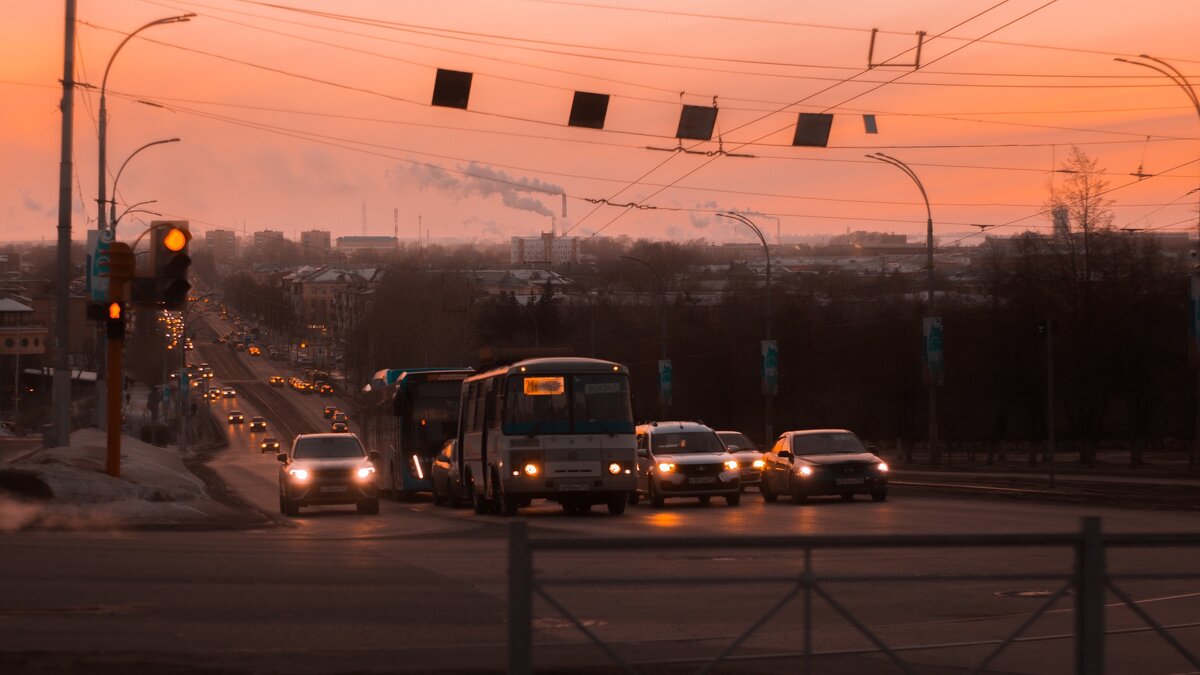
(768, 385)
(935, 454)
(1172, 73)
(663, 398)
(103, 122)
(113, 202)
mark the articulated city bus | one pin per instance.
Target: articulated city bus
(411, 413)
(548, 428)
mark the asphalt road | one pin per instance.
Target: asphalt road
(420, 588)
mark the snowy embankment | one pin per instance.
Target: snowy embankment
(67, 488)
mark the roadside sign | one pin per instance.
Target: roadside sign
(98, 243)
(770, 367)
(935, 374)
(664, 381)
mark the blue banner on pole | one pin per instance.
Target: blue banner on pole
(770, 367)
(664, 381)
(935, 374)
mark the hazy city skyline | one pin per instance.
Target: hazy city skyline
(298, 117)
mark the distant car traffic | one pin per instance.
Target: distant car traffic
(749, 457)
(338, 428)
(447, 485)
(275, 380)
(236, 417)
(257, 423)
(229, 392)
(684, 459)
(327, 469)
(330, 410)
(339, 416)
(326, 390)
(268, 444)
(816, 462)
(253, 350)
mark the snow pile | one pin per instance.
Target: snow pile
(67, 488)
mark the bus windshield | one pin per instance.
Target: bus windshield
(586, 403)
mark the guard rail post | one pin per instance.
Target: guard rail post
(520, 600)
(1090, 582)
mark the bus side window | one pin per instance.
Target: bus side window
(480, 406)
(498, 404)
(469, 416)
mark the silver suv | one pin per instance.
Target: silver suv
(327, 469)
(684, 459)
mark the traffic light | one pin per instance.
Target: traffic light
(114, 321)
(171, 261)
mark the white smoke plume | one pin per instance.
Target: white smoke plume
(477, 179)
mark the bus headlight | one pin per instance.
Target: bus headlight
(666, 467)
(806, 471)
(531, 469)
(364, 473)
(299, 475)
(614, 468)
(731, 465)
(758, 464)
(881, 467)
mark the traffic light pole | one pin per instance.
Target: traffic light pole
(120, 272)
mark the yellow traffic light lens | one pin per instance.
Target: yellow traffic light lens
(175, 239)
(114, 310)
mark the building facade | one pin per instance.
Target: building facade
(315, 244)
(545, 250)
(222, 244)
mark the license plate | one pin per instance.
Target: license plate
(334, 488)
(573, 487)
(849, 481)
(703, 480)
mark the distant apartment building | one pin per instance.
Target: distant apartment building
(265, 240)
(315, 244)
(221, 243)
(546, 250)
(351, 245)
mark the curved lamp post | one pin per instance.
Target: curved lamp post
(1172, 73)
(664, 406)
(112, 220)
(103, 121)
(935, 454)
(768, 426)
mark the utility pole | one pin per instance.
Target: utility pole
(1050, 399)
(62, 296)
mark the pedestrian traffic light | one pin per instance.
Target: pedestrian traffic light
(114, 321)
(171, 261)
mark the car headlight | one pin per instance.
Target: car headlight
(299, 474)
(666, 467)
(758, 464)
(731, 465)
(806, 471)
(881, 467)
(364, 472)
(614, 468)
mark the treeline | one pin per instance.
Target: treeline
(849, 345)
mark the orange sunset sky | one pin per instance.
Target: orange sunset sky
(295, 114)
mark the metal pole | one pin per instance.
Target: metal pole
(1089, 600)
(1172, 73)
(768, 397)
(664, 407)
(1050, 399)
(935, 455)
(62, 296)
(520, 600)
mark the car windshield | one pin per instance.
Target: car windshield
(331, 447)
(686, 442)
(587, 403)
(826, 444)
(736, 440)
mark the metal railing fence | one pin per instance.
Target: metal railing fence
(1089, 581)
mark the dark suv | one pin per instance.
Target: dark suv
(327, 469)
